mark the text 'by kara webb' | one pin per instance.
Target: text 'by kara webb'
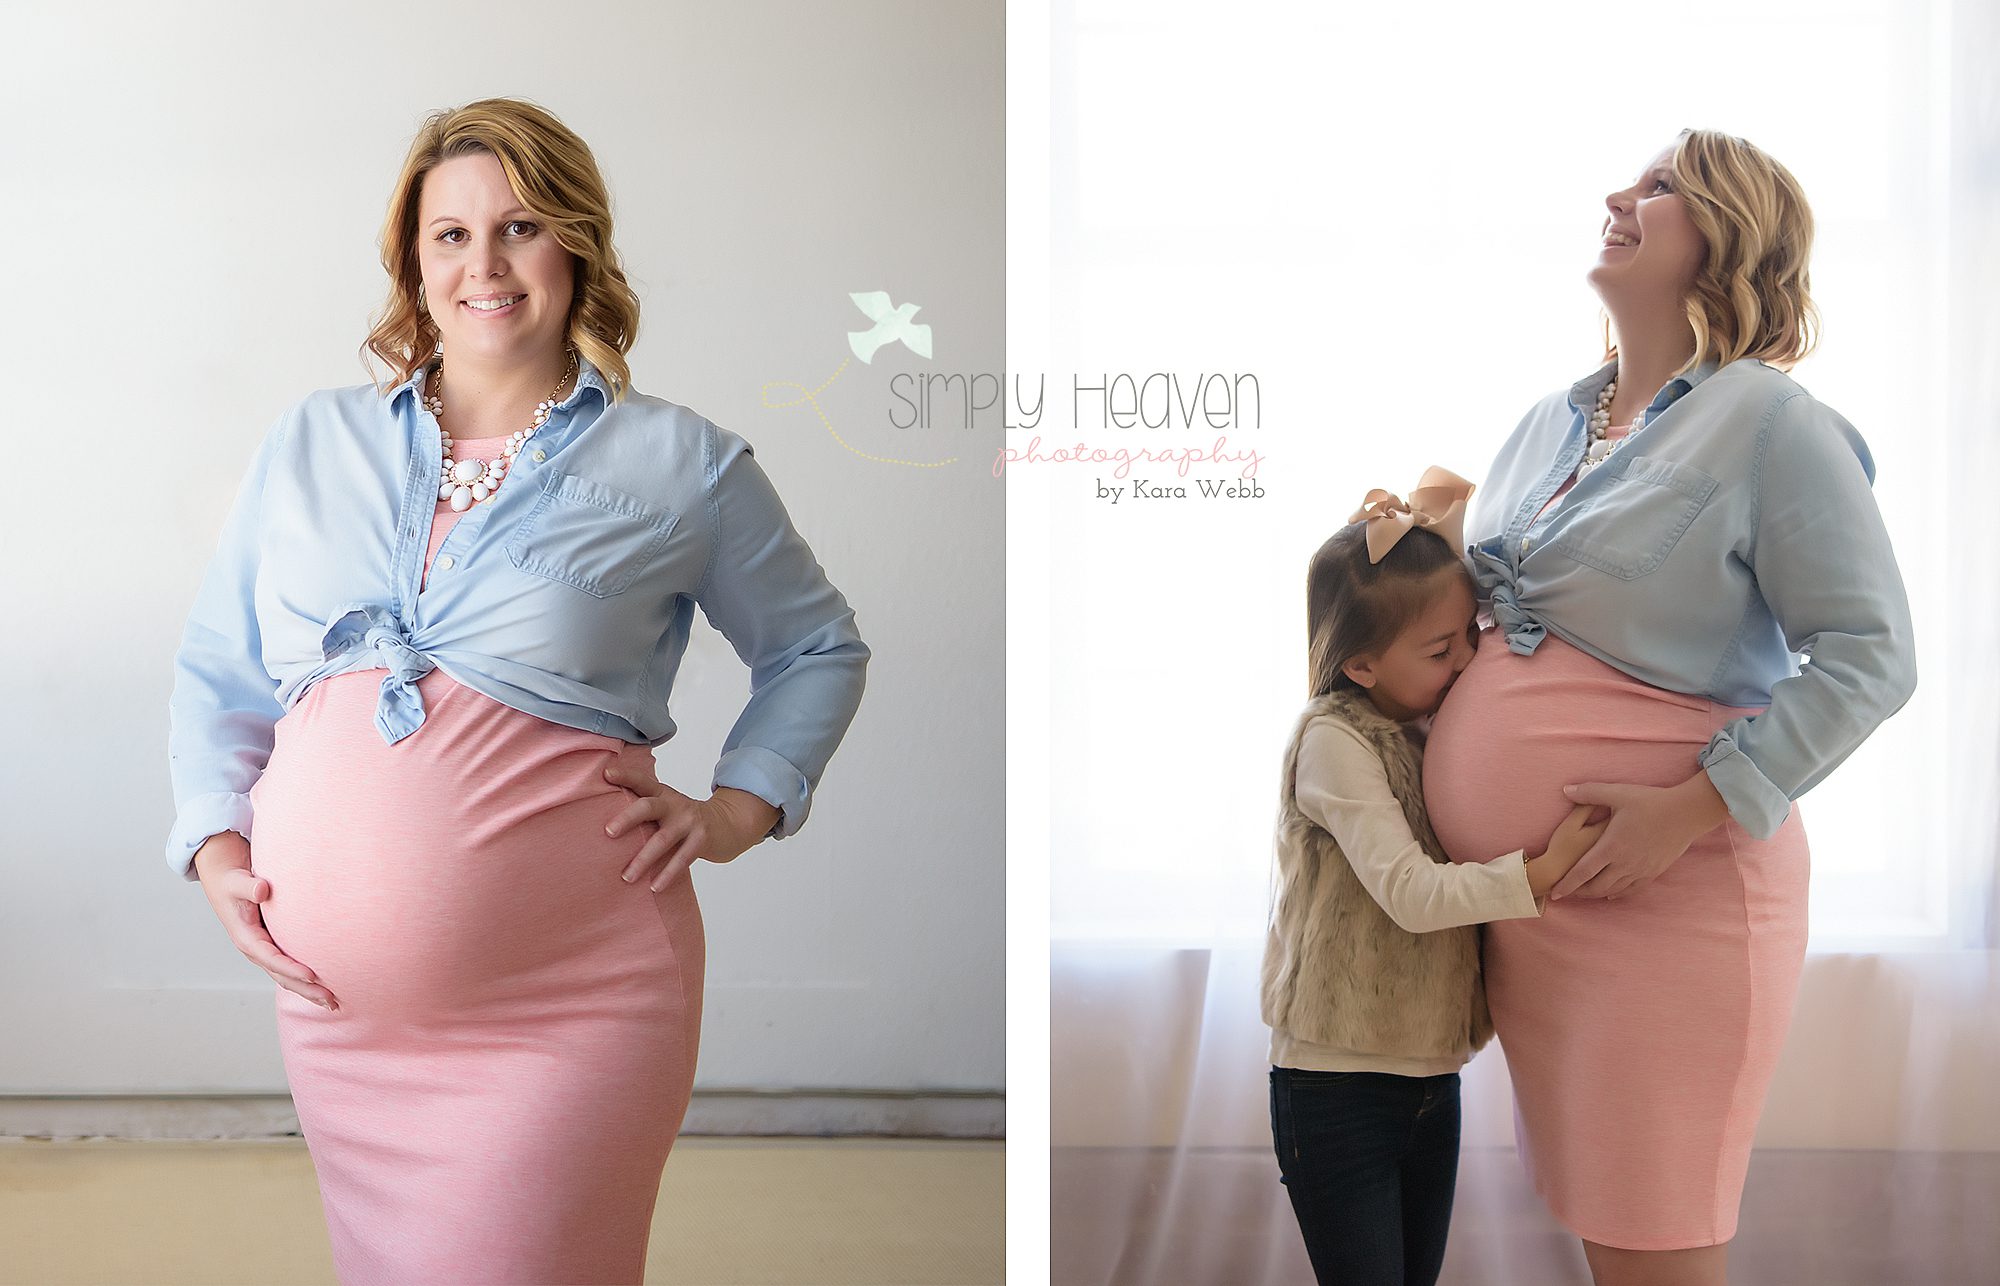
(1145, 490)
(1161, 400)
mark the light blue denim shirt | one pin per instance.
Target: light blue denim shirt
(1736, 530)
(576, 608)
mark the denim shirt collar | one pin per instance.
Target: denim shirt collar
(587, 377)
(1583, 393)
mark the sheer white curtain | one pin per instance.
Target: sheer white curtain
(1387, 220)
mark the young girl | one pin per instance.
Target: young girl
(1371, 968)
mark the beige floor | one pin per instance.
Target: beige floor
(779, 1212)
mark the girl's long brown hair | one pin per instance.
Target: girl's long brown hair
(1357, 608)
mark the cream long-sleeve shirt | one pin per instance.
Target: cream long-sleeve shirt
(1342, 786)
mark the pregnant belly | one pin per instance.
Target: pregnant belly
(1516, 729)
(456, 867)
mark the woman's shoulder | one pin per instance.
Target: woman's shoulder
(1784, 392)
(327, 418)
(1754, 377)
(1749, 383)
(1745, 377)
(656, 418)
(1786, 412)
(350, 401)
(314, 415)
(657, 414)
(1552, 408)
(662, 413)
(352, 404)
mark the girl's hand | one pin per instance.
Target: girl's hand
(717, 829)
(1572, 840)
(1649, 829)
(235, 893)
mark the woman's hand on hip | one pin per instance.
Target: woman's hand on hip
(1650, 827)
(235, 894)
(717, 829)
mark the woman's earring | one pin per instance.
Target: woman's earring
(438, 349)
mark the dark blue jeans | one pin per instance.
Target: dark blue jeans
(1370, 1161)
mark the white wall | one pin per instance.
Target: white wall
(194, 195)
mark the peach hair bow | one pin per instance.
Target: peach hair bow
(1438, 503)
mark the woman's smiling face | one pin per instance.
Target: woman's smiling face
(1651, 246)
(476, 242)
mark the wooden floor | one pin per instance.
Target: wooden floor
(1126, 1217)
(775, 1212)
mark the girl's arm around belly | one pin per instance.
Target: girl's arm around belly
(1343, 788)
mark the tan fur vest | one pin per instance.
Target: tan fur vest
(1337, 970)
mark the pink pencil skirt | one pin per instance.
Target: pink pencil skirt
(495, 1099)
(1641, 1034)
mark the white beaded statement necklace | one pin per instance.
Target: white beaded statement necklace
(468, 482)
(1602, 444)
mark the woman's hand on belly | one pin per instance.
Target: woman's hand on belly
(236, 894)
(1650, 827)
(717, 829)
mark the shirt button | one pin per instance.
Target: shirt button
(539, 456)
(1524, 544)
(445, 562)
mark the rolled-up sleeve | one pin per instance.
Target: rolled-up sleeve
(223, 709)
(765, 592)
(1825, 567)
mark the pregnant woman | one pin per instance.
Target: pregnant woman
(1655, 544)
(473, 895)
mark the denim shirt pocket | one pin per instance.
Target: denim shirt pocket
(1633, 522)
(586, 534)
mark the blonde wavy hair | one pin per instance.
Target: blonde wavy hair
(1752, 296)
(555, 178)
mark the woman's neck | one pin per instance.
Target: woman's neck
(1653, 343)
(483, 401)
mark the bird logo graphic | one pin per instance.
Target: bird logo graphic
(893, 325)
